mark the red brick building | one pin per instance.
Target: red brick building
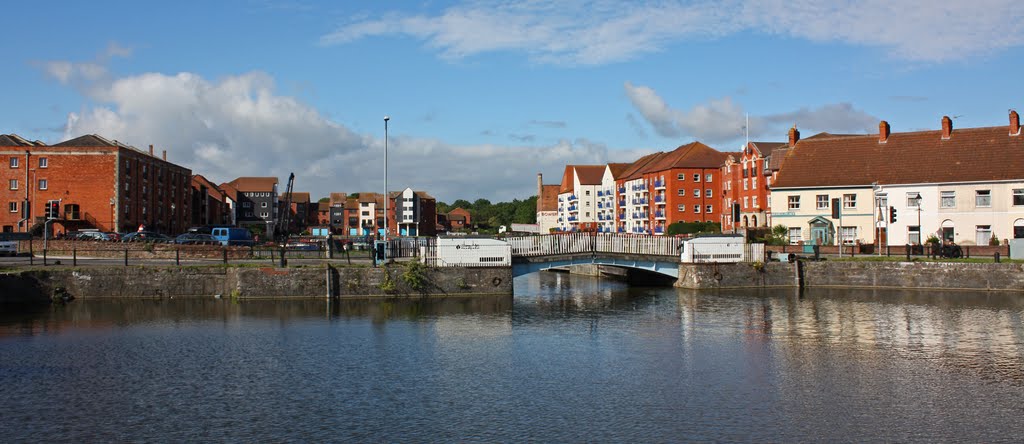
(460, 219)
(746, 179)
(100, 184)
(209, 203)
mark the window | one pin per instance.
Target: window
(849, 201)
(12, 206)
(913, 200)
(696, 209)
(983, 198)
(682, 192)
(914, 235)
(982, 234)
(587, 193)
(947, 199)
(753, 183)
(588, 214)
(1018, 197)
(43, 163)
(696, 177)
(248, 214)
(794, 202)
(754, 202)
(14, 162)
(849, 235)
(246, 204)
(366, 213)
(707, 193)
(42, 184)
(708, 177)
(682, 208)
(681, 176)
(263, 204)
(746, 202)
(821, 201)
(707, 209)
(364, 204)
(264, 214)
(769, 203)
(588, 203)
(696, 192)
(794, 235)
(746, 184)
(13, 183)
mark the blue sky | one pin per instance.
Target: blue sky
(484, 95)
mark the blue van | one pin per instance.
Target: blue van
(232, 236)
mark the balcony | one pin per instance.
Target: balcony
(573, 198)
(659, 184)
(573, 218)
(622, 229)
(622, 203)
(622, 216)
(561, 199)
(659, 200)
(600, 205)
(622, 189)
(600, 193)
(659, 230)
(641, 201)
(659, 215)
(573, 208)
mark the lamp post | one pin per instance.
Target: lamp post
(386, 118)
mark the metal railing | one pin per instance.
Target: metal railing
(572, 243)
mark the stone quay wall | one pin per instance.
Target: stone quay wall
(37, 285)
(856, 274)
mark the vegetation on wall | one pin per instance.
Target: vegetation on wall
(487, 216)
(693, 228)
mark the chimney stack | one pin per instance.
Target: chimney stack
(947, 127)
(151, 151)
(794, 136)
(540, 192)
(883, 131)
(1014, 123)
(165, 155)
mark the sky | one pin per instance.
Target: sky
(483, 95)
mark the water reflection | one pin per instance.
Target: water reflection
(570, 358)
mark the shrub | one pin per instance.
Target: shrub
(994, 241)
(693, 228)
(415, 275)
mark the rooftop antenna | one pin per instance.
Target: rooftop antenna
(746, 129)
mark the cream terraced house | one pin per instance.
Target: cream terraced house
(963, 186)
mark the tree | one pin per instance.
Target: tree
(324, 199)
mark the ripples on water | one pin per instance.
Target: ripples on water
(569, 359)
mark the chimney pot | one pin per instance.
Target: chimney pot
(165, 155)
(1014, 123)
(883, 131)
(947, 127)
(794, 136)
(151, 150)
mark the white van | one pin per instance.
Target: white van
(8, 248)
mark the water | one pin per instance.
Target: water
(570, 359)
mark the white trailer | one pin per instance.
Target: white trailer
(468, 252)
(723, 248)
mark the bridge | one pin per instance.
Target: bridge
(656, 254)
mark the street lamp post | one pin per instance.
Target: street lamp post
(386, 118)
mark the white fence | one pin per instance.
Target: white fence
(569, 243)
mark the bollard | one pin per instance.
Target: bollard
(44, 257)
(125, 257)
(177, 256)
(284, 261)
(908, 252)
(225, 252)
(967, 252)
(887, 251)
(74, 256)
(997, 257)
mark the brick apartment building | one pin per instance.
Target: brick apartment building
(209, 203)
(101, 184)
(746, 178)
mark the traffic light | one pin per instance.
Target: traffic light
(52, 209)
(735, 212)
(892, 215)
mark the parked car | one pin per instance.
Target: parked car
(92, 236)
(8, 248)
(113, 236)
(196, 239)
(145, 236)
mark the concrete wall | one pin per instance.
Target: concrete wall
(856, 274)
(248, 282)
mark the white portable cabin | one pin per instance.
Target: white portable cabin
(720, 248)
(470, 252)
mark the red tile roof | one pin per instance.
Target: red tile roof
(590, 174)
(691, 155)
(617, 169)
(634, 169)
(300, 197)
(970, 154)
(249, 184)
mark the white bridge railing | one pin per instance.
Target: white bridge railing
(569, 243)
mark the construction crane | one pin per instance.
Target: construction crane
(284, 214)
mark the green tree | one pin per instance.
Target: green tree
(324, 199)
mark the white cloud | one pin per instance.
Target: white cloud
(598, 32)
(240, 126)
(721, 120)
